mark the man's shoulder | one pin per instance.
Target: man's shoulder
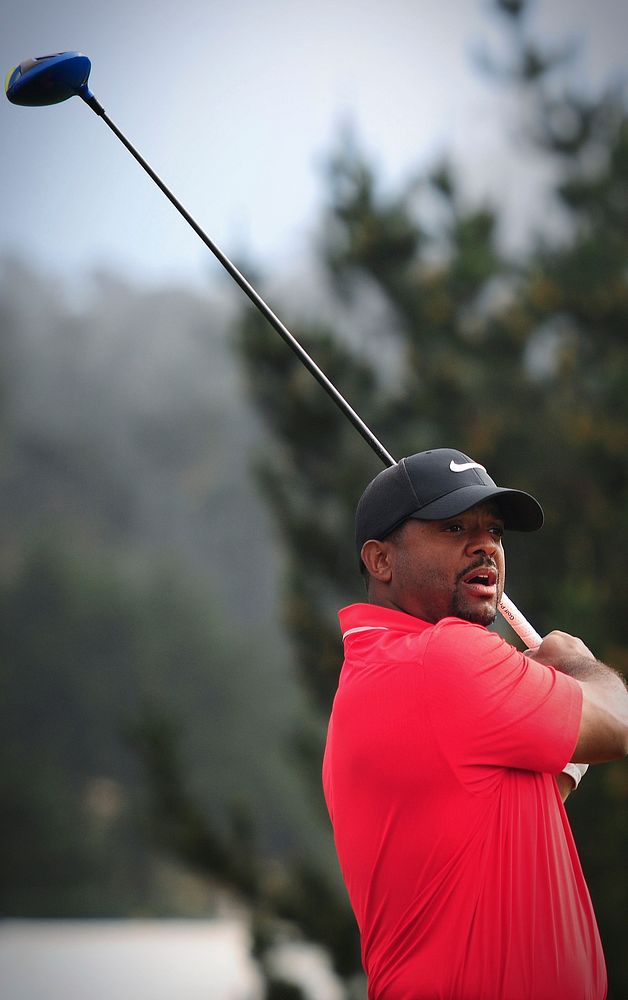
(375, 617)
(460, 628)
(456, 635)
(453, 636)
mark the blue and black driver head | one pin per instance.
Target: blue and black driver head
(49, 79)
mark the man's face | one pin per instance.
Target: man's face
(454, 567)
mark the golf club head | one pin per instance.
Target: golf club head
(49, 79)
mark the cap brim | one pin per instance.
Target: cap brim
(521, 512)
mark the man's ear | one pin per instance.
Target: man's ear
(376, 556)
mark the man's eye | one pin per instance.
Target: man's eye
(453, 527)
(498, 530)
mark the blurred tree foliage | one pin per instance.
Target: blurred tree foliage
(517, 359)
(128, 530)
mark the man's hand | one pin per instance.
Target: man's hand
(561, 648)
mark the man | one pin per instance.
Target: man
(443, 746)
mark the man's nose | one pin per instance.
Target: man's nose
(483, 541)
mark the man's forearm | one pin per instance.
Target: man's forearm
(604, 727)
(604, 723)
(587, 668)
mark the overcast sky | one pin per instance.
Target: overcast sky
(236, 105)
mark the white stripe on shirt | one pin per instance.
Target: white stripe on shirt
(365, 628)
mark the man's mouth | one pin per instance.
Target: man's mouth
(480, 582)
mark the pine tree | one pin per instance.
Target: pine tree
(520, 361)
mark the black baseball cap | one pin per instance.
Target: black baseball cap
(434, 485)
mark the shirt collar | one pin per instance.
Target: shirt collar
(373, 616)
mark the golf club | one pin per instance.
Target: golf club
(54, 78)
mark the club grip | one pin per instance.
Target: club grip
(521, 625)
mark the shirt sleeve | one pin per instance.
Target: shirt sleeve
(489, 704)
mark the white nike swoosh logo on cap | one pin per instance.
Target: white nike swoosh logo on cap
(464, 466)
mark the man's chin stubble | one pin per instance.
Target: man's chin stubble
(481, 616)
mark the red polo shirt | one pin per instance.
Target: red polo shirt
(450, 832)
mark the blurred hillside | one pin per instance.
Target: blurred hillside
(126, 420)
(137, 581)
